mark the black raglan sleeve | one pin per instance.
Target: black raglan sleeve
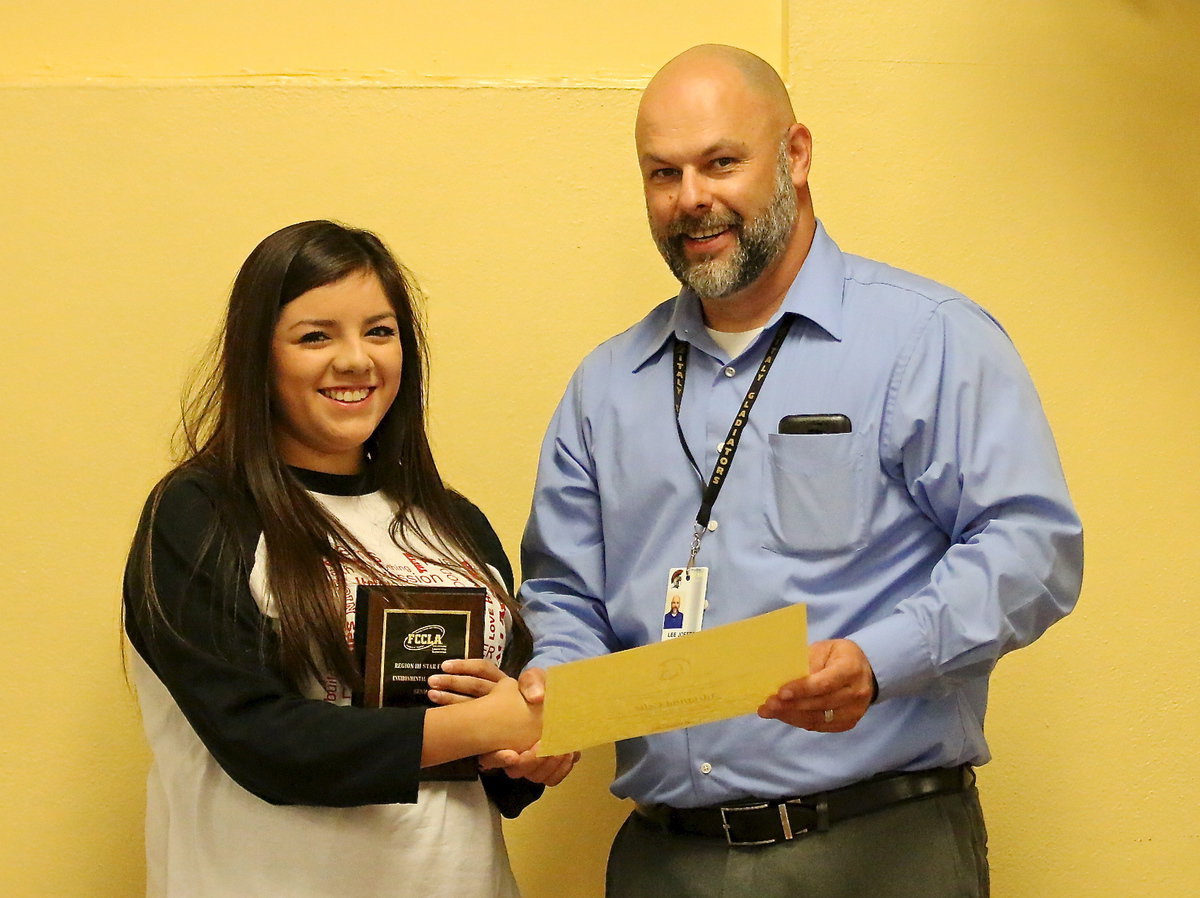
(211, 648)
(511, 796)
(485, 538)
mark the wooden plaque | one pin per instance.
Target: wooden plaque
(402, 634)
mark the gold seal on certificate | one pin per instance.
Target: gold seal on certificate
(402, 634)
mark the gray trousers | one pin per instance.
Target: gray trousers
(926, 848)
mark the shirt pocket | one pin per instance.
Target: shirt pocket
(818, 501)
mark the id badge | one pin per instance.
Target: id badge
(683, 612)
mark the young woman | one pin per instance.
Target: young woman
(307, 473)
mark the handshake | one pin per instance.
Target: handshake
(734, 669)
(499, 720)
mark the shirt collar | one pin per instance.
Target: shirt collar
(815, 294)
(336, 484)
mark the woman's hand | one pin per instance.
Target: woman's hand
(478, 710)
(466, 679)
(519, 719)
(549, 771)
(463, 679)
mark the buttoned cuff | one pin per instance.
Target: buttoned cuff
(898, 655)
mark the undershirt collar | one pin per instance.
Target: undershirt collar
(734, 343)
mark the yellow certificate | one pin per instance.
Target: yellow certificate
(710, 675)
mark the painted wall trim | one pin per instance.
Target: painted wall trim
(326, 79)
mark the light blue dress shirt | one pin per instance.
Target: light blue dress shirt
(938, 535)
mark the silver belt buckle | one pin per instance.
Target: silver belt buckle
(725, 812)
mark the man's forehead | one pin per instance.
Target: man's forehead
(706, 127)
(702, 108)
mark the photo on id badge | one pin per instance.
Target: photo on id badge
(683, 611)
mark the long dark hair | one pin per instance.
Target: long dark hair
(227, 433)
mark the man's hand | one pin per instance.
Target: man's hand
(526, 764)
(839, 680)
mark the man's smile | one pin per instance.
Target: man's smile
(708, 233)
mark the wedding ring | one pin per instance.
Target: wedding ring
(829, 715)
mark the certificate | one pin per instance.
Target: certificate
(711, 675)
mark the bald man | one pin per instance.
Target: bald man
(797, 425)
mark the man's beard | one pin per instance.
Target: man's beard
(759, 242)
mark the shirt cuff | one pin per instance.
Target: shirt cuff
(896, 651)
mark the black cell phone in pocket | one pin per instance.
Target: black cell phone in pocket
(814, 424)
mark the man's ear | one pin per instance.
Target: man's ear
(800, 152)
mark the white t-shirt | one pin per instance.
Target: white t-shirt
(208, 836)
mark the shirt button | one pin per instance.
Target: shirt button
(712, 526)
(706, 768)
(730, 371)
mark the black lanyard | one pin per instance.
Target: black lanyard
(729, 447)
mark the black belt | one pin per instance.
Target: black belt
(782, 819)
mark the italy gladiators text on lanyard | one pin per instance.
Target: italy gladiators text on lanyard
(686, 586)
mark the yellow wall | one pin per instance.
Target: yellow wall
(1039, 156)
